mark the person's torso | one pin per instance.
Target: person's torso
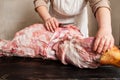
(71, 11)
(68, 7)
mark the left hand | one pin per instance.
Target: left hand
(104, 40)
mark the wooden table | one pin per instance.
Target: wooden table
(16, 68)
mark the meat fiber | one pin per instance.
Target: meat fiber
(66, 44)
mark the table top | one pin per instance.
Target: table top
(15, 68)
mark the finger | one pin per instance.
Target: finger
(56, 23)
(53, 25)
(111, 43)
(47, 26)
(106, 45)
(96, 43)
(50, 27)
(101, 45)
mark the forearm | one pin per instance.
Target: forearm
(50, 22)
(103, 17)
(104, 38)
(43, 13)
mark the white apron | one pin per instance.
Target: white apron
(71, 11)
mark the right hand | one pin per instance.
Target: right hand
(51, 24)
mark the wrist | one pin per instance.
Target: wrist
(48, 18)
(106, 29)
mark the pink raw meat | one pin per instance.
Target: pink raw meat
(66, 44)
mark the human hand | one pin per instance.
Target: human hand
(51, 24)
(104, 40)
